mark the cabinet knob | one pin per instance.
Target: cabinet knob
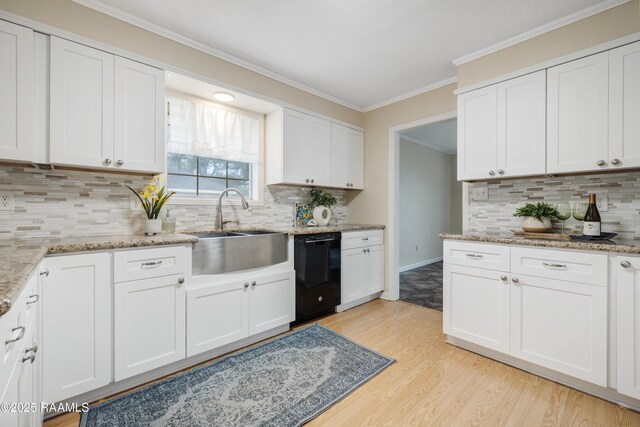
(246, 284)
(33, 349)
(45, 272)
(615, 162)
(492, 173)
(503, 278)
(625, 264)
(107, 161)
(601, 163)
(19, 337)
(31, 357)
(181, 280)
(33, 299)
(254, 283)
(312, 181)
(501, 172)
(120, 163)
(306, 180)
(515, 280)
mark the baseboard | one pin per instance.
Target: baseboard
(359, 301)
(420, 264)
(135, 381)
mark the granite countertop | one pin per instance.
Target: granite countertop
(18, 258)
(615, 245)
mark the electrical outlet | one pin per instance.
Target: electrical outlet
(602, 202)
(134, 203)
(7, 201)
(479, 194)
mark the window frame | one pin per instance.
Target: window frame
(258, 185)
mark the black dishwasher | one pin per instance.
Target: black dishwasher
(317, 265)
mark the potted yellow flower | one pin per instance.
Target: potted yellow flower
(152, 199)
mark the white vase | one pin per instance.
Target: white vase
(534, 225)
(322, 215)
(152, 226)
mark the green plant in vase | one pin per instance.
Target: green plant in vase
(322, 202)
(152, 199)
(536, 218)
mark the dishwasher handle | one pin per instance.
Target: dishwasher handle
(320, 241)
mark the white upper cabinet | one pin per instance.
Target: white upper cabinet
(303, 149)
(81, 108)
(106, 111)
(522, 125)
(501, 129)
(347, 157)
(139, 117)
(624, 107)
(477, 134)
(16, 92)
(577, 115)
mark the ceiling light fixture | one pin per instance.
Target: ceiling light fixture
(223, 96)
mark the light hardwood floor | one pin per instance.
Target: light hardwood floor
(436, 384)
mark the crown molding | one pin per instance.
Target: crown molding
(426, 144)
(574, 17)
(156, 29)
(411, 94)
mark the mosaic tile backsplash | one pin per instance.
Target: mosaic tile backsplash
(50, 203)
(623, 190)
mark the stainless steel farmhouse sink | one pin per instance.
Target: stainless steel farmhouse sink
(229, 251)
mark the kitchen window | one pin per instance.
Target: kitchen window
(211, 148)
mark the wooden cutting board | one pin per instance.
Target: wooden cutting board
(545, 236)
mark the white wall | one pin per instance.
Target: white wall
(456, 198)
(425, 201)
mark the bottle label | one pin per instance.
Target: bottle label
(591, 228)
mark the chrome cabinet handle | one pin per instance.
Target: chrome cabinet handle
(601, 163)
(615, 162)
(501, 172)
(19, 337)
(365, 238)
(33, 349)
(246, 284)
(492, 173)
(152, 264)
(31, 357)
(120, 163)
(503, 278)
(306, 180)
(45, 272)
(107, 161)
(515, 280)
(625, 264)
(553, 265)
(312, 180)
(472, 256)
(33, 299)
(253, 284)
(181, 280)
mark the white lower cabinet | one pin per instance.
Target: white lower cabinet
(476, 306)
(149, 324)
(561, 326)
(223, 313)
(77, 316)
(362, 265)
(628, 325)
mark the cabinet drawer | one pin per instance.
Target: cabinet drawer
(147, 263)
(359, 239)
(480, 255)
(570, 266)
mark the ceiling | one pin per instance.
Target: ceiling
(361, 53)
(441, 136)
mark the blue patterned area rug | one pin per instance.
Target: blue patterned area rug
(284, 382)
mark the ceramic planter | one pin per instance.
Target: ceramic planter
(533, 225)
(152, 226)
(322, 215)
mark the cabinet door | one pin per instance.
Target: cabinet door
(476, 306)
(294, 147)
(318, 150)
(522, 125)
(477, 134)
(26, 374)
(149, 325)
(139, 117)
(624, 106)
(271, 302)
(374, 270)
(561, 326)
(81, 126)
(76, 325)
(347, 157)
(352, 274)
(577, 115)
(9, 392)
(16, 93)
(628, 326)
(217, 315)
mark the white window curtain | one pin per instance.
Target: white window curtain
(209, 131)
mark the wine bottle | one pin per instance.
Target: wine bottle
(591, 225)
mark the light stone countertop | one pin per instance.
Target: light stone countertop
(614, 246)
(19, 258)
